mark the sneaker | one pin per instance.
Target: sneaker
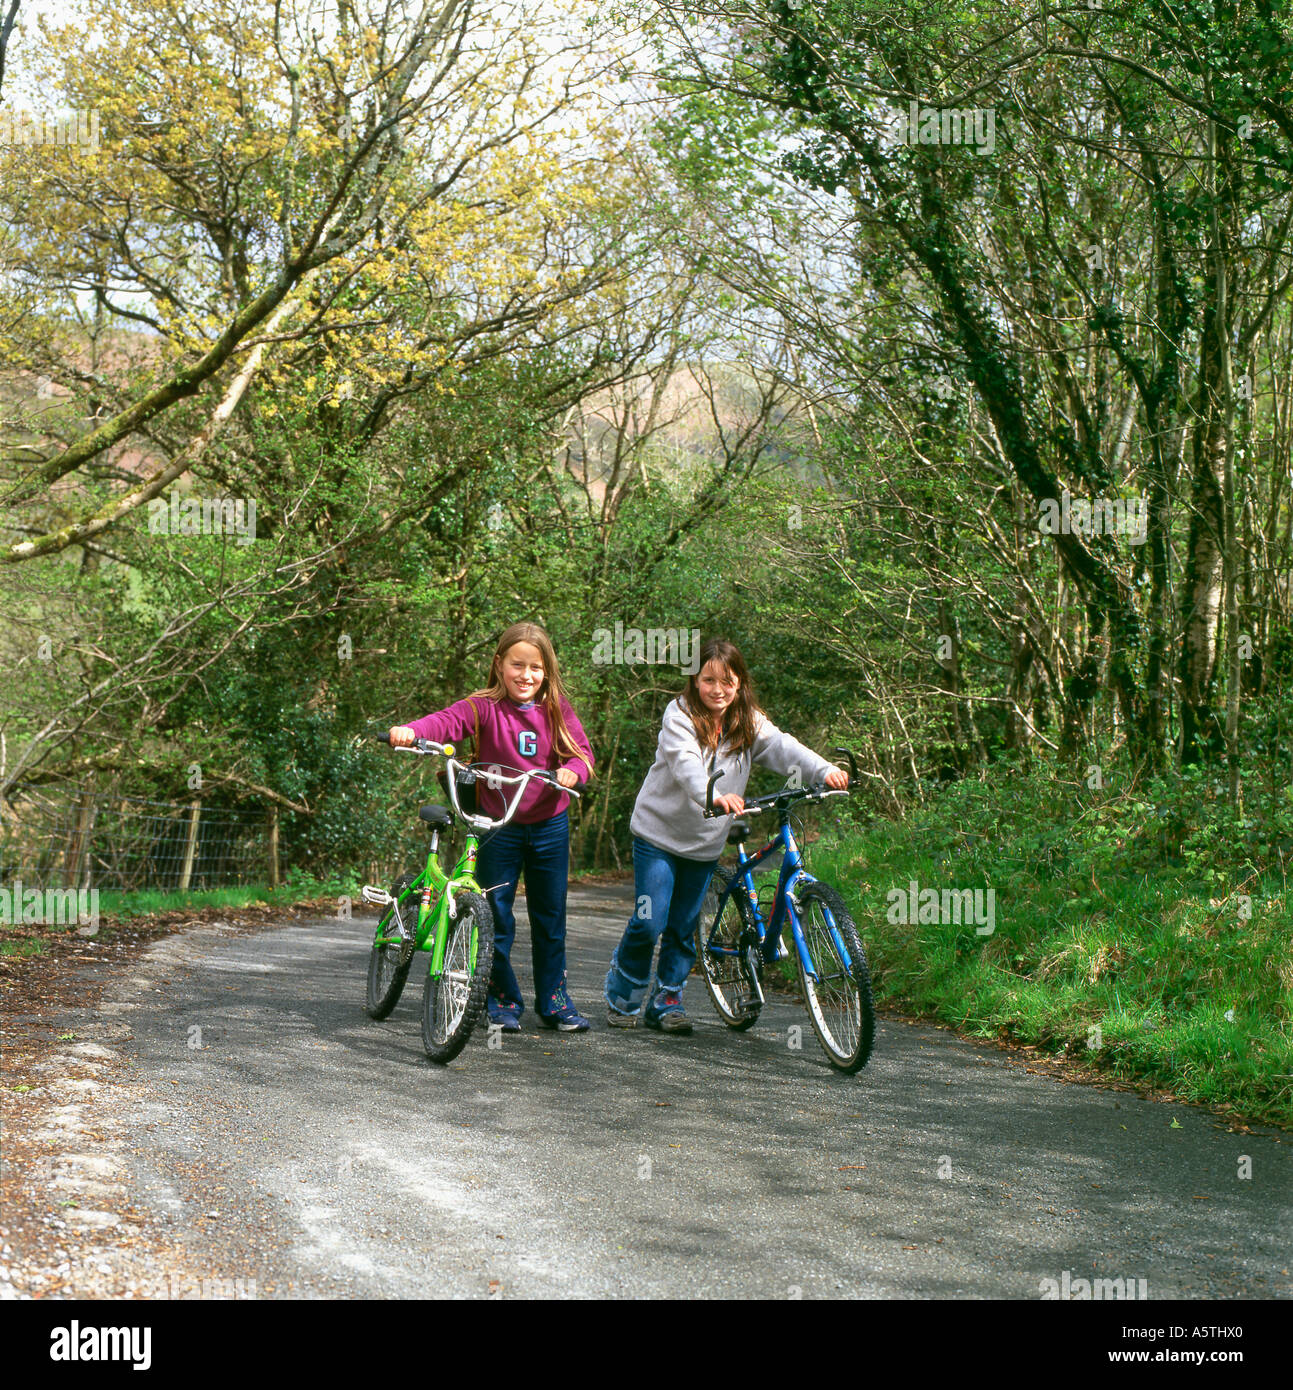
(619, 1020)
(505, 1016)
(564, 1015)
(667, 1014)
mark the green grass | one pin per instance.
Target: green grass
(31, 946)
(123, 906)
(117, 909)
(1110, 943)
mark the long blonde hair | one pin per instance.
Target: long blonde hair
(551, 692)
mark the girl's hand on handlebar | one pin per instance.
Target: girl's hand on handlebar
(729, 805)
(566, 777)
(402, 736)
(837, 779)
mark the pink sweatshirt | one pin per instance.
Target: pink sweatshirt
(515, 737)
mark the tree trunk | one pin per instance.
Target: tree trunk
(1205, 565)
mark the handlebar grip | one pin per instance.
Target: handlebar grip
(853, 764)
(709, 793)
(423, 745)
(550, 779)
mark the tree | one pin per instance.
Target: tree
(1029, 268)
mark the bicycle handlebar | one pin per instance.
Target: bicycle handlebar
(421, 745)
(779, 799)
(785, 796)
(453, 766)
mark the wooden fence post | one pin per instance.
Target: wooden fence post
(194, 812)
(79, 846)
(84, 878)
(273, 844)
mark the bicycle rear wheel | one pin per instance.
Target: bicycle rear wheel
(453, 1001)
(388, 966)
(839, 999)
(723, 941)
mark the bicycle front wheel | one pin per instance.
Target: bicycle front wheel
(453, 1001)
(839, 998)
(388, 966)
(723, 941)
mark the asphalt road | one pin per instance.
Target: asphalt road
(279, 1135)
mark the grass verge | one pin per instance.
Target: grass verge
(1165, 958)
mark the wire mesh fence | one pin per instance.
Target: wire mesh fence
(66, 837)
(80, 838)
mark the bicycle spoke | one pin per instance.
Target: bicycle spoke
(724, 942)
(388, 961)
(833, 998)
(453, 989)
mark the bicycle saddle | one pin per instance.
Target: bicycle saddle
(436, 815)
(740, 830)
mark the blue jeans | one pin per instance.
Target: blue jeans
(669, 891)
(542, 853)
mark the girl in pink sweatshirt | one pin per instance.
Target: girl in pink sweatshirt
(522, 720)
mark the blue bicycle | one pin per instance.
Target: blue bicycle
(734, 941)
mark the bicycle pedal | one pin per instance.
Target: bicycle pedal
(376, 895)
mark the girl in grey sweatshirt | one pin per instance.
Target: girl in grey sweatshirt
(715, 725)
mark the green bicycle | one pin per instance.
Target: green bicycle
(446, 915)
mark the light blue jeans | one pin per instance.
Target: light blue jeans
(669, 891)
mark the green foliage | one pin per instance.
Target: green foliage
(1118, 909)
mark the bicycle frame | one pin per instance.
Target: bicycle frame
(437, 889)
(737, 942)
(434, 891)
(784, 906)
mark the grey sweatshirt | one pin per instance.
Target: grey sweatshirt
(669, 811)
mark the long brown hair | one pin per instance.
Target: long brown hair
(551, 692)
(740, 719)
